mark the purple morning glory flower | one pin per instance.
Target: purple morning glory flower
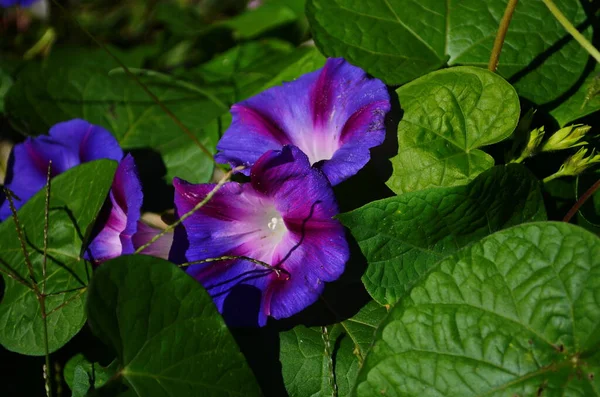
(283, 217)
(119, 218)
(22, 3)
(119, 230)
(68, 144)
(334, 115)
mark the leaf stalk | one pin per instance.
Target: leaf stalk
(501, 35)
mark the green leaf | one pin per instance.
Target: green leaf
(43, 97)
(586, 100)
(98, 58)
(310, 355)
(515, 314)
(80, 374)
(403, 237)
(264, 18)
(249, 69)
(448, 116)
(182, 21)
(76, 197)
(400, 40)
(93, 371)
(167, 334)
(229, 66)
(5, 83)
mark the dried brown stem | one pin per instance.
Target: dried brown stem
(581, 201)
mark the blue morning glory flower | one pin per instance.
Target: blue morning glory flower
(283, 217)
(119, 229)
(334, 115)
(67, 144)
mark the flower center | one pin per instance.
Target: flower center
(319, 145)
(267, 230)
(275, 226)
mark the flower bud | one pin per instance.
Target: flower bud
(533, 141)
(578, 163)
(575, 164)
(567, 137)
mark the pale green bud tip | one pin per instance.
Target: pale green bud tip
(578, 162)
(567, 137)
(535, 138)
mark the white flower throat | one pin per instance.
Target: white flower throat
(275, 224)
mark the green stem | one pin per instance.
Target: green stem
(552, 177)
(501, 35)
(42, 296)
(43, 45)
(48, 379)
(10, 197)
(46, 225)
(560, 17)
(201, 204)
(518, 160)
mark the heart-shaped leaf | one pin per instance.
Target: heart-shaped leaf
(167, 334)
(448, 116)
(402, 237)
(75, 200)
(515, 314)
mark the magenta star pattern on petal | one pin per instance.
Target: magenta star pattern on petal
(283, 217)
(335, 115)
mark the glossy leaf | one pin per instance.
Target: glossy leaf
(403, 237)
(167, 334)
(516, 313)
(228, 66)
(448, 116)
(400, 40)
(586, 100)
(76, 197)
(43, 97)
(310, 355)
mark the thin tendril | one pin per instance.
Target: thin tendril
(277, 270)
(201, 204)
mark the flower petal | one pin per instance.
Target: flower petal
(121, 214)
(145, 233)
(327, 252)
(89, 142)
(68, 144)
(299, 191)
(22, 3)
(234, 223)
(337, 107)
